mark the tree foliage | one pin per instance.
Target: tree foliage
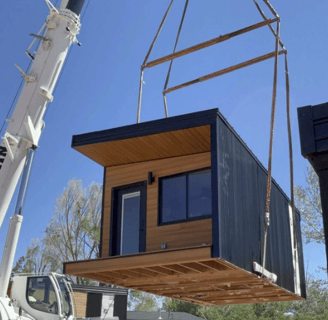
(307, 200)
(74, 230)
(261, 311)
(72, 234)
(142, 301)
(38, 259)
(314, 308)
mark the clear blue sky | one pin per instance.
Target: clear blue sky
(99, 86)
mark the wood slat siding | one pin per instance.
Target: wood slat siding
(179, 235)
(150, 147)
(242, 189)
(80, 304)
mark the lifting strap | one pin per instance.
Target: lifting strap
(268, 194)
(274, 55)
(175, 46)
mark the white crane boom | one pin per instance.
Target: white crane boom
(16, 156)
(26, 124)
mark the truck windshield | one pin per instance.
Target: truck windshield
(66, 303)
(41, 294)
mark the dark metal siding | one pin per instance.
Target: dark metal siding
(300, 254)
(238, 204)
(242, 188)
(313, 127)
(120, 307)
(215, 170)
(94, 302)
(279, 257)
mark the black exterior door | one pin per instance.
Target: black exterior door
(128, 231)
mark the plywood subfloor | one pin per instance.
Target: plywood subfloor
(191, 275)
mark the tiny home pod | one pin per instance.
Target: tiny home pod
(183, 208)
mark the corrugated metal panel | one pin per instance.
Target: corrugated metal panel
(300, 255)
(242, 188)
(280, 259)
(120, 307)
(238, 204)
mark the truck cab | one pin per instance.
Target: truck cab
(45, 296)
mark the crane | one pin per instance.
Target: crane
(45, 296)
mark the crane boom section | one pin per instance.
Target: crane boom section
(26, 124)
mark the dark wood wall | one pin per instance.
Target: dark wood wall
(178, 235)
(241, 206)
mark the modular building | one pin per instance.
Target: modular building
(183, 207)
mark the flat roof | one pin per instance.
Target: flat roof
(159, 139)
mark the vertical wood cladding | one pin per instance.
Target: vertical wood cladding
(178, 235)
(80, 303)
(242, 189)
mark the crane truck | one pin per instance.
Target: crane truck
(45, 296)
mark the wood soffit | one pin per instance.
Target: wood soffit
(190, 275)
(149, 147)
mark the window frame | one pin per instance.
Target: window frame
(188, 219)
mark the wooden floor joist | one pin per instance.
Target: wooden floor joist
(191, 275)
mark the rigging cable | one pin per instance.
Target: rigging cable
(272, 122)
(146, 59)
(288, 130)
(175, 46)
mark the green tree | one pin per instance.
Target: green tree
(262, 311)
(72, 234)
(142, 301)
(316, 304)
(74, 230)
(308, 202)
(180, 306)
(36, 260)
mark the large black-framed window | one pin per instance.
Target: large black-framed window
(185, 197)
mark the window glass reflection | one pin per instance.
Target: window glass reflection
(41, 295)
(130, 223)
(174, 197)
(199, 194)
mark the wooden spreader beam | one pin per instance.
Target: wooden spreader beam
(189, 274)
(208, 43)
(225, 71)
(177, 54)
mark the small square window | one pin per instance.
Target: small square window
(185, 197)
